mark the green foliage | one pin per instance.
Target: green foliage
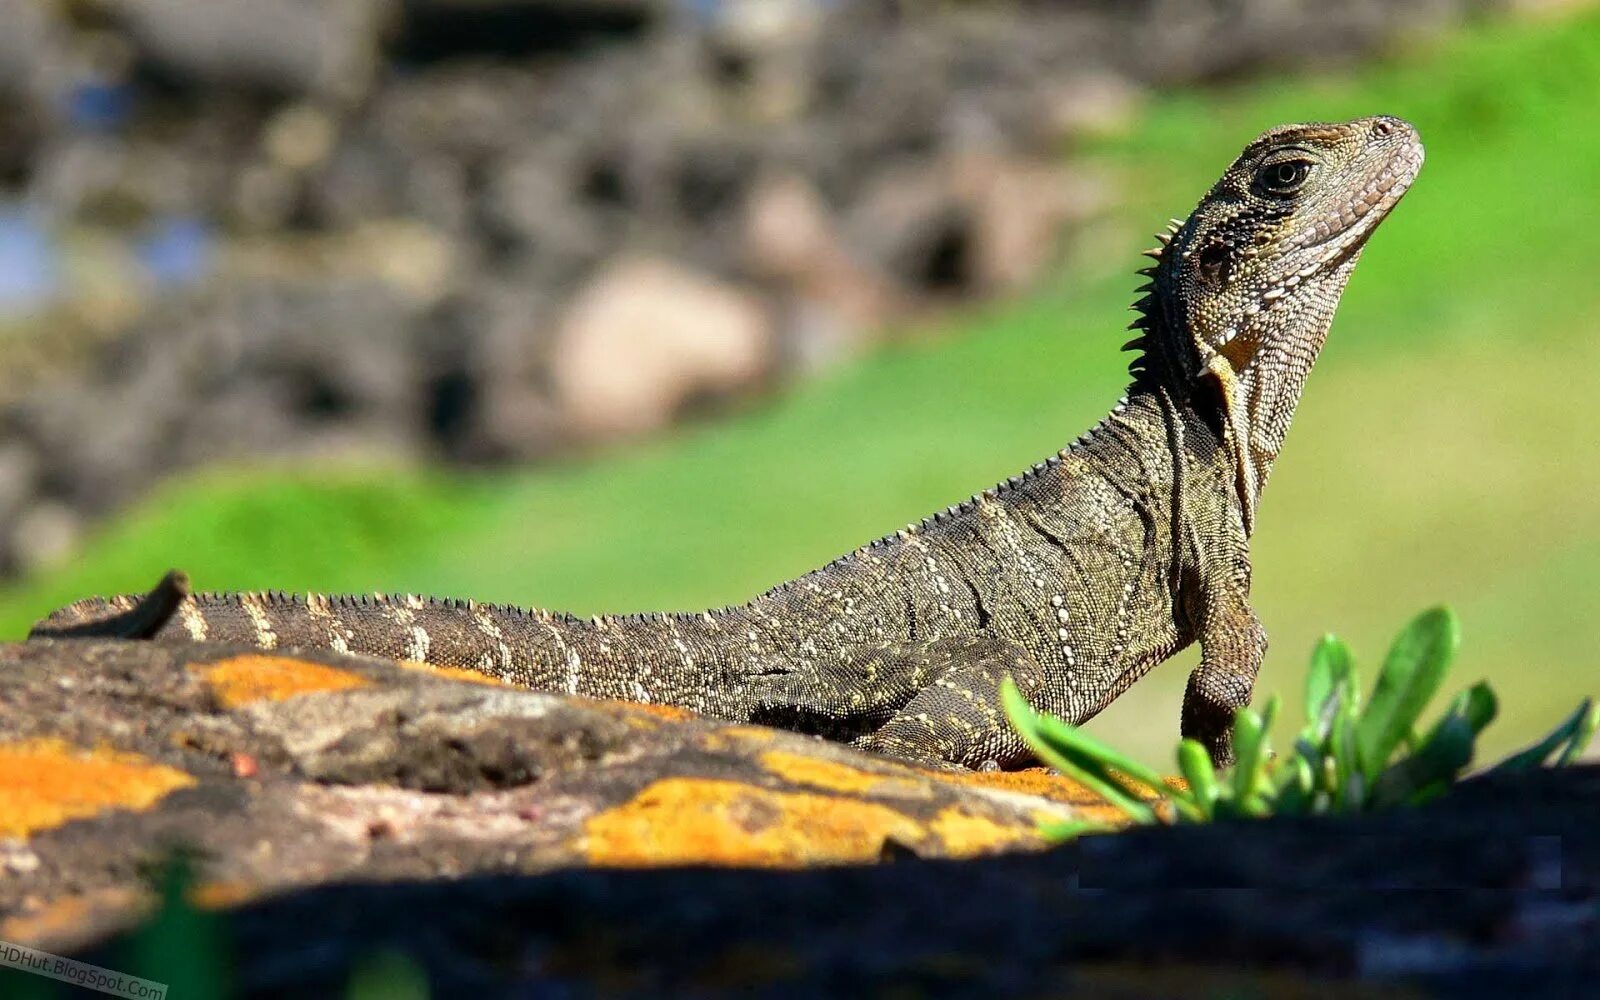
(182, 945)
(388, 975)
(1348, 756)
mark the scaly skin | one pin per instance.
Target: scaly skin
(1075, 577)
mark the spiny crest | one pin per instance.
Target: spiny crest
(1145, 305)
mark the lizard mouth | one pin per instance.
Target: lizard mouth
(1364, 212)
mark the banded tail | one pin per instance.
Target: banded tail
(671, 658)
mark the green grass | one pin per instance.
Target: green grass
(1445, 450)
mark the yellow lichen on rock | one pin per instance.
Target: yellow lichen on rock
(708, 821)
(671, 713)
(240, 680)
(454, 673)
(64, 916)
(965, 834)
(834, 777)
(219, 894)
(1032, 781)
(737, 737)
(47, 782)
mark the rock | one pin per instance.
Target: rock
(646, 337)
(43, 536)
(1018, 211)
(485, 351)
(324, 48)
(832, 305)
(452, 29)
(288, 771)
(19, 469)
(515, 843)
(913, 225)
(31, 53)
(1093, 105)
(978, 223)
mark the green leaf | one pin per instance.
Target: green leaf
(1411, 675)
(1194, 763)
(1571, 730)
(1330, 663)
(1107, 766)
(1249, 736)
(1580, 740)
(1439, 760)
(1045, 741)
(1478, 705)
(182, 945)
(388, 975)
(1347, 786)
(1110, 758)
(1072, 830)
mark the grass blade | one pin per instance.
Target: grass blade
(1249, 738)
(1535, 755)
(1031, 726)
(1330, 663)
(1439, 760)
(1110, 758)
(1479, 706)
(1072, 830)
(1194, 763)
(1411, 675)
(1580, 740)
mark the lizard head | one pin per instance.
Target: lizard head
(1268, 251)
(1243, 292)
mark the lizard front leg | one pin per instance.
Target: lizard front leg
(1232, 646)
(957, 718)
(934, 701)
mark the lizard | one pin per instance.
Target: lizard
(1074, 578)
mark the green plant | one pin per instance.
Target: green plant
(181, 944)
(1348, 756)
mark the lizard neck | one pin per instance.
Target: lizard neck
(1272, 376)
(1265, 362)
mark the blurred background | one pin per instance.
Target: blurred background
(647, 304)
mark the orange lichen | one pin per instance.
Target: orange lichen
(833, 776)
(455, 673)
(964, 834)
(1035, 781)
(220, 894)
(47, 782)
(687, 821)
(1039, 782)
(737, 737)
(671, 712)
(240, 680)
(64, 918)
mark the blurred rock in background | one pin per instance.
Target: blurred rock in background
(490, 230)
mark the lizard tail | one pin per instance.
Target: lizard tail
(121, 617)
(535, 648)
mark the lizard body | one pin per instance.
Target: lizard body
(1074, 578)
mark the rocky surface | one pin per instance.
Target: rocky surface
(284, 772)
(517, 844)
(233, 228)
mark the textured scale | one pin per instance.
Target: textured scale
(1074, 578)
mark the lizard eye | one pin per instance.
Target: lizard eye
(1284, 177)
